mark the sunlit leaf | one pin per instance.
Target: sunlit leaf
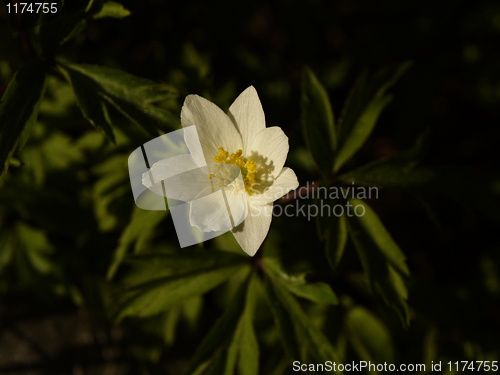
(366, 102)
(112, 9)
(19, 109)
(168, 279)
(317, 121)
(299, 336)
(297, 284)
(137, 99)
(232, 342)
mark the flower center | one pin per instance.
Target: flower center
(247, 167)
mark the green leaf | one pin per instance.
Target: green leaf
(189, 310)
(71, 19)
(36, 246)
(113, 184)
(232, 342)
(395, 172)
(290, 334)
(361, 111)
(137, 99)
(297, 284)
(168, 262)
(336, 239)
(137, 233)
(243, 352)
(301, 339)
(92, 106)
(317, 121)
(369, 337)
(382, 259)
(316, 292)
(112, 9)
(162, 280)
(248, 347)
(161, 294)
(19, 109)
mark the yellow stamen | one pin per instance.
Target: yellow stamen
(248, 167)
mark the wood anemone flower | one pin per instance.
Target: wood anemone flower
(236, 143)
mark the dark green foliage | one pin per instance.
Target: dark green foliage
(318, 126)
(19, 109)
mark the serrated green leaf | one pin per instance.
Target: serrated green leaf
(19, 109)
(160, 280)
(382, 259)
(297, 284)
(316, 292)
(168, 262)
(290, 335)
(118, 84)
(377, 236)
(300, 338)
(93, 108)
(112, 9)
(318, 125)
(369, 337)
(361, 111)
(161, 294)
(221, 346)
(136, 98)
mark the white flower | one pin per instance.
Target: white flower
(232, 144)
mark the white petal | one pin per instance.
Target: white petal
(285, 182)
(269, 151)
(182, 178)
(251, 233)
(214, 127)
(238, 207)
(211, 213)
(193, 144)
(248, 115)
